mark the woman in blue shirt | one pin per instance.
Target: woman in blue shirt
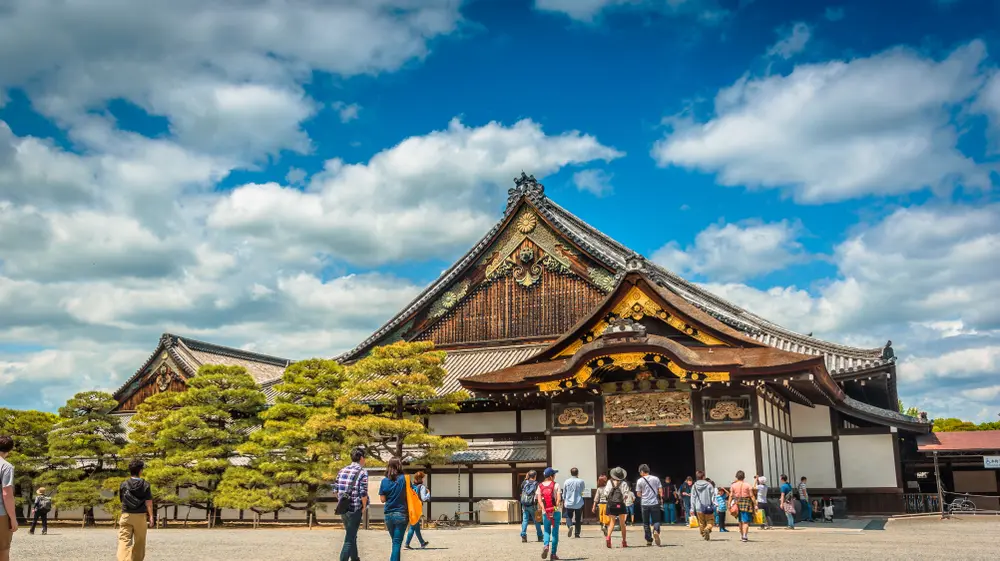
(392, 491)
(788, 502)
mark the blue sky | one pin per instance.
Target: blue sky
(285, 179)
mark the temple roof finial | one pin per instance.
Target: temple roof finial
(524, 186)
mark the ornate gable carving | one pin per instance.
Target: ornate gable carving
(163, 375)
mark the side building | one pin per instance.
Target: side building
(580, 353)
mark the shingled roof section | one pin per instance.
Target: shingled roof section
(966, 441)
(838, 358)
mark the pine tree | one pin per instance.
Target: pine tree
(385, 398)
(30, 430)
(286, 450)
(250, 489)
(84, 447)
(146, 424)
(193, 435)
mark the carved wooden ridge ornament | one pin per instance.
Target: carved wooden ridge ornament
(628, 362)
(525, 250)
(163, 377)
(574, 416)
(727, 409)
(647, 409)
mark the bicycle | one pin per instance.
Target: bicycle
(961, 504)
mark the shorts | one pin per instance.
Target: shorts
(616, 509)
(746, 517)
(5, 534)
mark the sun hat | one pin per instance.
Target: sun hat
(762, 479)
(40, 491)
(549, 472)
(618, 473)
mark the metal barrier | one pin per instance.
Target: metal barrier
(919, 503)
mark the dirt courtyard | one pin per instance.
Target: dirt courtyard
(966, 538)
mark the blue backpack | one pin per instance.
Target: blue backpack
(528, 489)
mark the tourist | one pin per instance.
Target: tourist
(617, 493)
(685, 492)
(721, 498)
(352, 487)
(40, 508)
(807, 511)
(392, 491)
(573, 505)
(601, 504)
(741, 493)
(8, 516)
(630, 508)
(762, 501)
(529, 505)
(549, 497)
(423, 495)
(787, 502)
(651, 500)
(137, 514)
(669, 501)
(703, 504)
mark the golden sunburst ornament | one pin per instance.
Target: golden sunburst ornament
(526, 223)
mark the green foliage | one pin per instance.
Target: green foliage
(957, 425)
(188, 438)
(30, 430)
(249, 489)
(911, 411)
(385, 395)
(287, 451)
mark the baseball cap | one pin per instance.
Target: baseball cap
(549, 472)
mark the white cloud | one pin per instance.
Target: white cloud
(879, 125)
(347, 111)
(426, 196)
(596, 181)
(708, 11)
(793, 43)
(988, 103)
(734, 252)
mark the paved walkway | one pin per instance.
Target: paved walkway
(968, 538)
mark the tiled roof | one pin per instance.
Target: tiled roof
(465, 363)
(838, 358)
(501, 452)
(966, 441)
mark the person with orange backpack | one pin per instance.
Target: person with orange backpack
(549, 499)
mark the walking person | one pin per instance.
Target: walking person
(573, 506)
(617, 492)
(40, 508)
(8, 516)
(669, 501)
(685, 492)
(807, 510)
(529, 506)
(601, 504)
(352, 497)
(762, 501)
(650, 493)
(423, 495)
(741, 504)
(137, 514)
(703, 504)
(549, 498)
(788, 502)
(721, 499)
(392, 491)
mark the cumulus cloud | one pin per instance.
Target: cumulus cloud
(734, 252)
(595, 181)
(426, 196)
(708, 11)
(879, 125)
(793, 43)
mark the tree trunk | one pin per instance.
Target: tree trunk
(88, 517)
(399, 415)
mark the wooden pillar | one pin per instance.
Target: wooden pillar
(937, 480)
(835, 431)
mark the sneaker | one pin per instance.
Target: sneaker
(555, 557)
(707, 537)
(424, 545)
(407, 546)
(656, 538)
(569, 534)
(545, 552)
(649, 544)
(524, 539)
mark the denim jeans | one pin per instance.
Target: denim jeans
(669, 513)
(352, 521)
(807, 510)
(651, 517)
(396, 523)
(687, 509)
(528, 516)
(415, 529)
(630, 514)
(551, 536)
(574, 517)
(720, 519)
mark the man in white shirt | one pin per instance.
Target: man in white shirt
(8, 516)
(572, 490)
(648, 487)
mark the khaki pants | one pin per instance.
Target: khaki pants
(132, 537)
(5, 534)
(705, 522)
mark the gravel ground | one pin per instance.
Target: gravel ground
(968, 538)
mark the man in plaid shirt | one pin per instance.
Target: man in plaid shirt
(358, 495)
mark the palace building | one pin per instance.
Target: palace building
(578, 352)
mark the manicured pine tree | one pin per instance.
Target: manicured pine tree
(84, 448)
(385, 398)
(30, 430)
(287, 450)
(146, 424)
(251, 490)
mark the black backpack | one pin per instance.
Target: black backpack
(130, 502)
(616, 496)
(44, 503)
(528, 489)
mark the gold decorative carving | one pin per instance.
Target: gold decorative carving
(163, 377)
(525, 249)
(629, 362)
(647, 409)
(730, 409)
(449, 299)
(574, 416)
(601, 278)
(526, 223)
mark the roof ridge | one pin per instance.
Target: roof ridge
(232, 352)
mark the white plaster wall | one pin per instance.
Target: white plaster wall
(446, 485)
(473, 423)
(533, 420)
(727, 452)
(492, 485)
(766, 454)
(867, 461)
(810, 421)
(761, 407)
(815, 461)
(578, 451)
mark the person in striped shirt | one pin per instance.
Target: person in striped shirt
(352, 485)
